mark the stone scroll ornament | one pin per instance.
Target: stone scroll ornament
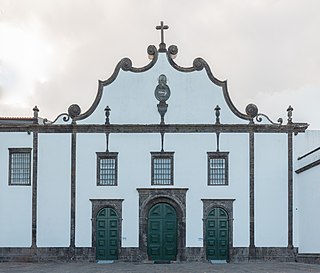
(252, 112)
(74, 110)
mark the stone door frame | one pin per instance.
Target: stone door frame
(176, 197)
(97, 205)
(227, 205)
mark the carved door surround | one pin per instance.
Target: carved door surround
(176, 197)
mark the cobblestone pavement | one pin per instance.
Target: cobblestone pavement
(190, 267)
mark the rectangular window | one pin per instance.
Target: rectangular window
(218, 168)
(20, 166)
(107, 169)
(162, 168)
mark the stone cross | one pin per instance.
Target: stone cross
(162, 27)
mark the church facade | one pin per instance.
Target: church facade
(161, 167)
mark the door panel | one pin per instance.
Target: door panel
(162, 232)
(217, 235)
(107, 235)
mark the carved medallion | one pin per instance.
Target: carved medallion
(162, 91)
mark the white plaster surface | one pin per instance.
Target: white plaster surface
(15, 201)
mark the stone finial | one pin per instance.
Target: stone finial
(35, 115)
(290, 110)
(74, 110)
(107, 113)
(217, 110)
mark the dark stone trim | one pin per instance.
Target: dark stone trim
(251, 188)
(97, 205)
(156, 128)
(166, 155)
(73, 190)
(107, 155)
(279, 254)
(46, 254)
(15, 151)
(195, 254)
(126, 65)
(129, 254)
(227, 205)
(309, 153)
(308, 166)
(176, 197)
(310, 258)
(222, 155)
(290, 190)
(34, 190)
(132, 254)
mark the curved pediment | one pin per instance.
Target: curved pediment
(194, 89)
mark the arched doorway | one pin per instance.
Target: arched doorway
(162, 233)
(176, 197)
(107, 234)
(217, 234)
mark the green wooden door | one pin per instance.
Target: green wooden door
(217, 234)
(107, 235)
(162, 233)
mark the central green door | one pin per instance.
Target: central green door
(107, 235)
(217, 234)
(162, 233)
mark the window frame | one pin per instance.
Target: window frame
(107, 155)
(218, 155)
(162, 155)
(13, 151)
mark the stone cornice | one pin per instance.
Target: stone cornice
(156, 128)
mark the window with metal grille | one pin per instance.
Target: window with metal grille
(217, 168)
(107, 169)
(162, 168)
(20, 166)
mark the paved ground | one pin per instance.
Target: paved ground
(157, 268)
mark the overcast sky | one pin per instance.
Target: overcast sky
(53, 52)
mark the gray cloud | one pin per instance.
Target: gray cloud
(264, 48)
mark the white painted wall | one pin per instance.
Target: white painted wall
(308, 197)
(190, 171)
(191, 168)
(15, 201)
(271, 190)
(54, 180)
(193, 98)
